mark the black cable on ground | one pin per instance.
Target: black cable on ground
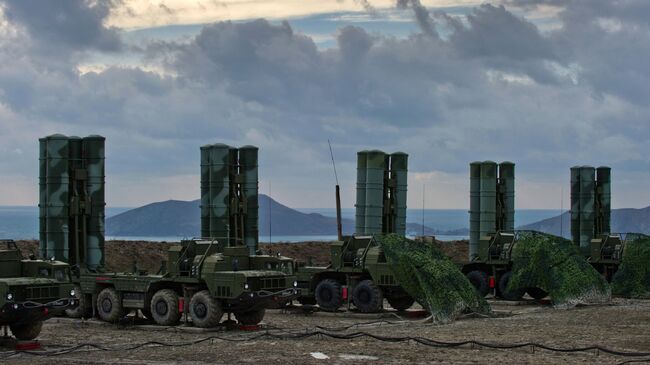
(350, 336)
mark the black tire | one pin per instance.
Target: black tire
(479, 280)
(503, 285)
(84, 307)
(367, 297)
(164, 308)
(250, 318)
(401, 303)
(328, 295)
(205, 310)
(26, 331)
(536, 293)
(109, 305)
(306, 300)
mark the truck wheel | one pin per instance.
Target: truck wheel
(109, 305)
(250, 318)
(401, 303)
(205, 310)
(536, 293)
(164, 307)
(306, 300)
(84, 307)
(367, 297)
(26, 331)
(328, 295)
(503, 285)
(479, 280)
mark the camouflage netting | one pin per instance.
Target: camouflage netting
(632, 280)
(555, 265)
(431, 278)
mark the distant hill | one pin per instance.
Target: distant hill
(623, 221)
(182, 218)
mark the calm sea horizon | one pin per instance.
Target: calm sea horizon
(21, 222)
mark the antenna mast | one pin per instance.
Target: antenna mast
(339, 226)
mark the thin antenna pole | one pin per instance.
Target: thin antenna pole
(339, 225)
(423, 190)
(336, 176)
(270, 202)
(561, 211)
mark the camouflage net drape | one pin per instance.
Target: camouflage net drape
(632, 280)
(555, 265)
(431, 278)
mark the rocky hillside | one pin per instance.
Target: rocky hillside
(623, 221)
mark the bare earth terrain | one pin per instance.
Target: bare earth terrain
(624, 326)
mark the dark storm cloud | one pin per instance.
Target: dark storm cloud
(422, 16)
(74, 24)
(494, 86)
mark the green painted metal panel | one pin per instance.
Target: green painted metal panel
(399, 172)
(219, 190)
(603, 176)
(42, 196)
(375, 191)
(205, 191)
(587, 202)
(248, 159)
(94, 156)
(488, 198)
(575, 205)
(507, 179)
(360, 215)
(57, 190)
(474, 208)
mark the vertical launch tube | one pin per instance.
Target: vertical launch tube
(219, 191)
(360, 215)
(474, 208)
(575, 205)
(248, 160)
(587, 202)
(399, 171)
(58, 192)
(374, 208)
(42, 197)
(603, 176)
(507, 177)
(205, 191)
(488, 198)
(94, 154)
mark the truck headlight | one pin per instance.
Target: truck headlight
(10, 296)
(73, 293)
(246, 286)
(295, 284)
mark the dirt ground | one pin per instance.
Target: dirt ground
(623, 326)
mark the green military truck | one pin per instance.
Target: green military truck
(31, 291)
(358, 274)
(203, 278)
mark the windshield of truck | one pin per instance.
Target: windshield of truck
(62, 275)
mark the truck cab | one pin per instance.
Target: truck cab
(31, 291)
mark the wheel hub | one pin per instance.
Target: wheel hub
(200, 310)
(107, 305)
(161, 307)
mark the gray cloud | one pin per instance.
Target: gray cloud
(494, 87)
(73, 24)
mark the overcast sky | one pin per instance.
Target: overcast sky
(545, 84)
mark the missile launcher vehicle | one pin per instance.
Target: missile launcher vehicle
(202, 278)
(31, 291)
(493, 237)
(358, 272)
